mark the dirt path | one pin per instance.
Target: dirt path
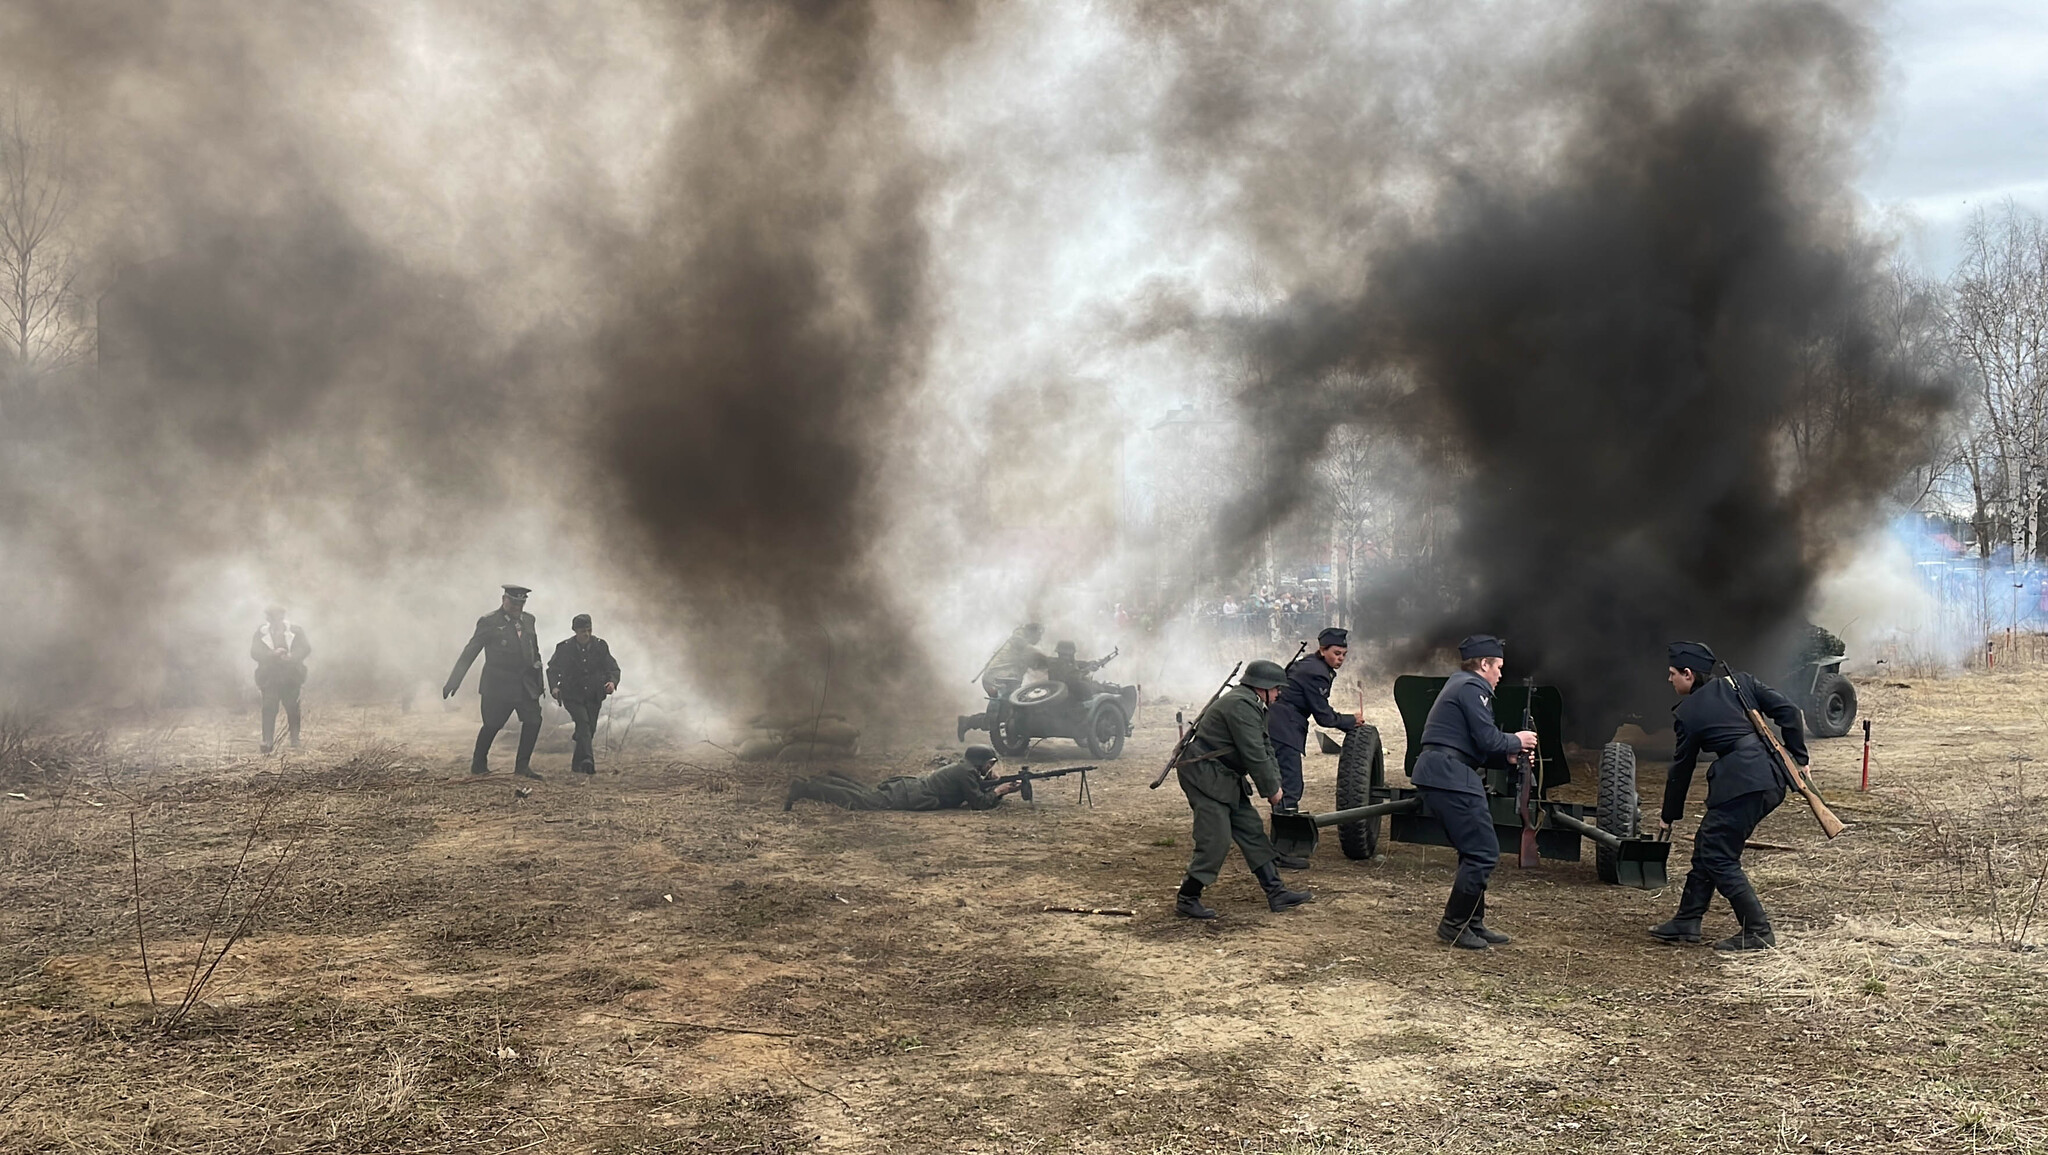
(663, 960)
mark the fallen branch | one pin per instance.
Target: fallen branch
(1114, 911)
(724, 1030)
(1755, 845)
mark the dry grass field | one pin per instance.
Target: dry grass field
(663, 961)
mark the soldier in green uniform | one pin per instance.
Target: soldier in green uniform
(1016, 657)
(963, 783)
(511, 682)
(1230, 744)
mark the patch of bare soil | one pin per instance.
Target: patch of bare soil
(662, 960)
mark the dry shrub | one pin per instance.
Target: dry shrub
(1884, 969)
(371, 763)
(30, 755)
(1990, 838)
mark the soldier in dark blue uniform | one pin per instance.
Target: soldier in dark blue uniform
(511, 682)
(1460, 736)
(1306, 695)
(1744, 784)
(581, 675)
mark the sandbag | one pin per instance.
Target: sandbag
(759, 749)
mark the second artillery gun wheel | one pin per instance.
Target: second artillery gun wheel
(1619, 814)
(1833, 707)
(1361, 765)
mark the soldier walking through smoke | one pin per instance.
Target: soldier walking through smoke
(511, 681)
(280, 651)
(1744, 785)
(581, 675)
(963, 783)
(1459, 737)
(1005, 672)
(1229, 745)
(1306, 695)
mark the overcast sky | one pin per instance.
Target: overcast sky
(1966, 123)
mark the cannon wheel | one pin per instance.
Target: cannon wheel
(1361, 766)
(1834, 706)
(1619, 813)
(1105, 736)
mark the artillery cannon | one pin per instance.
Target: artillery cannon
(1621, 855)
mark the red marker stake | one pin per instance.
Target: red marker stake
(1866, 755)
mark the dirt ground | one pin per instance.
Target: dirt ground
(662, 960)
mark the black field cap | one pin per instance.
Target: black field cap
(580, 622)
(1482, 646)
(1694, 656)
(519, 592)
(1334, 636)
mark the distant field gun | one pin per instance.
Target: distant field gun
(1365, 801)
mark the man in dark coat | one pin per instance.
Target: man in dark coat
(1004, 673)
(280, 651)
(1744, 784)
(964, 783)
(581, 675)
(511, 682)
(1459, 737)
(1230, 746)
(1306, 695)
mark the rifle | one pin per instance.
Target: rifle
(1523, 801)
(1188, 735)
(1298, 652)
(1102, 661)
(1025, 776)
(991, 661)
(1829, 824)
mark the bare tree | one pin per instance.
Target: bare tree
(42, 321)
(1999, 322)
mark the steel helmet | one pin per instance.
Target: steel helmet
(1263, 675)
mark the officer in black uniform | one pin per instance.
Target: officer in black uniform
(581, 675)
(511, 681)
(1306, 695)
(1744, 784)
(1460, 736)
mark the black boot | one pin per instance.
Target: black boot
(1290, 862)
(1478, 925)
(1188, 904)
(1756, 925)
(797, 790)
(1278, 897)
(1684, 926)
(1456, 927)
(480, 762)
(960, 727)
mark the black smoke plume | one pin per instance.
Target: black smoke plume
(771, 323)
(1640, 259)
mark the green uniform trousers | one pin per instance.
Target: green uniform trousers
(1217, 825)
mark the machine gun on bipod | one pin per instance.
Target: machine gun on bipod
(1025, 776)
